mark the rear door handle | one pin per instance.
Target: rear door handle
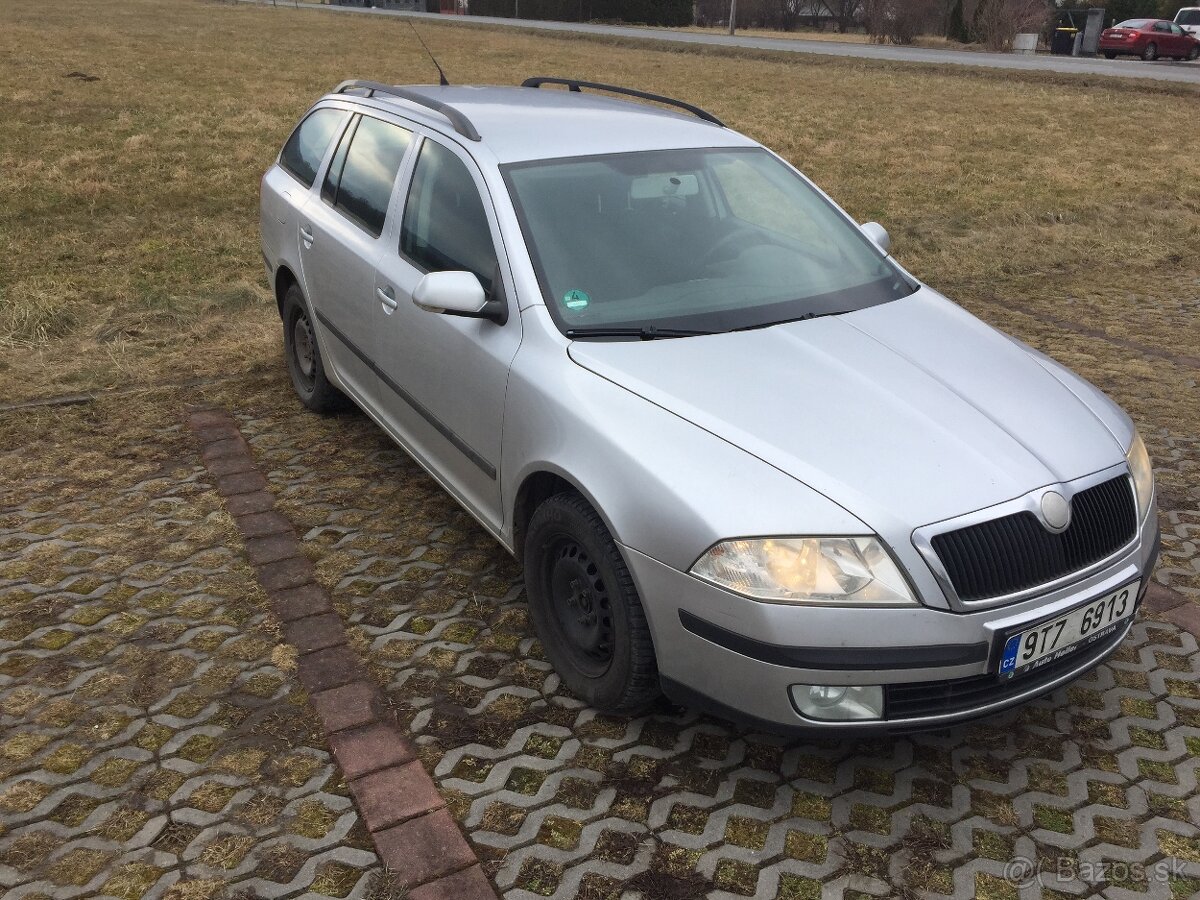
(388, 298)
(306, 235)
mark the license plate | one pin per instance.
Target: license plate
(1044, 643)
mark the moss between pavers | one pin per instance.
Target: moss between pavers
(1155, 770)
(796, 887)
(212, 796)
(749, 833)
(114, 772)
(132, 880)
(804, 846)
(79, 866)
(618, 847)
(991, 845)
(559, 832)
(1053, 819)
(335, 879)
(870, 818)
(539, 876)
(1178, 845)
(736, 877)
(689, 819)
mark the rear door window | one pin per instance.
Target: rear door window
(445, 227)
(304, 150)
(363, 171)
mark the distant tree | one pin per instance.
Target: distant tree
(845, 13)
(996, 22)
(897, 21)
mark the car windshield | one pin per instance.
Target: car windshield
(692, 240)
(1188, 17)
(1135, 24)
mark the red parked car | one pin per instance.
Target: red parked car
(1149, 39)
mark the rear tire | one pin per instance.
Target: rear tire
(305, 366)
(1110, 56)
(1150, 54)
(585, 608)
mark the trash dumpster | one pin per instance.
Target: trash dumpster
(1062, 41)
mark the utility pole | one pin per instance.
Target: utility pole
(732, 15)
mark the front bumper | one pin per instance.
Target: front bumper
(738, 657)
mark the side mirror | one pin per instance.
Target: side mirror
(457, 294)
(879, 235)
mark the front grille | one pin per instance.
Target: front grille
(931, 698)
(1015, 552)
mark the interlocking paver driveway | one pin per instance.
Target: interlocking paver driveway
(676, 805)
(154, 739)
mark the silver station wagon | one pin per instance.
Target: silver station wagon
(746, 459)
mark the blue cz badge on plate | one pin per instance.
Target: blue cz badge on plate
(1008, 662)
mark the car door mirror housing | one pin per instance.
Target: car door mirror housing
(456, 294)
(879, 235)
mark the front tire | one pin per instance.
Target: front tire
(305, 366)
(585, 608)
(1193, 54)
(1110, 55)
(1150, 54)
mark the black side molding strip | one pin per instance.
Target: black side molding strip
(836, 658)
(444, 430)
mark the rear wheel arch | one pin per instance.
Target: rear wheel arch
(284, 279)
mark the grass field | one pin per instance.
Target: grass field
(128, 232)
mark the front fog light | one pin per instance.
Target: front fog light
(838, 702)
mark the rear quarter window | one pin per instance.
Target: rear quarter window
(304, 150)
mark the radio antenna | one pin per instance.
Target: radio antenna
(441, 75)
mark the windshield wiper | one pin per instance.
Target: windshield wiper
(645, 332)
(803, 318)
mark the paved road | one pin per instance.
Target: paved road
(1125, 68)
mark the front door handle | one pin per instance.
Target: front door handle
(306, 235)
(388, 298)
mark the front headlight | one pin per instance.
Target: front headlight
(1143, 474)
(853, 571)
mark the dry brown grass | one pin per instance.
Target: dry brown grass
(128, 235)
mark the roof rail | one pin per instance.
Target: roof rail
(576, 86)
(460, 122)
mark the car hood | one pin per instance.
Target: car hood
(905, 414)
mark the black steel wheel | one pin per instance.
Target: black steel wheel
(303, 355)
(585, 607)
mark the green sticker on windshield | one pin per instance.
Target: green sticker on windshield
(576, 299)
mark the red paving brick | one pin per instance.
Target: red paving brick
(469, 884)
(287, 573)
(297, 603)
(329, 668)
(1159, 598)
(234, 446)
(242, 483)
(424, 848)
(392, 795)
(244, 504)
(315, 632)
(348, 706)
(264, 523)
(272, 548)
(415, 836)
(1186, 617)
(360, 751)
(231, 465)
(206, 418)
